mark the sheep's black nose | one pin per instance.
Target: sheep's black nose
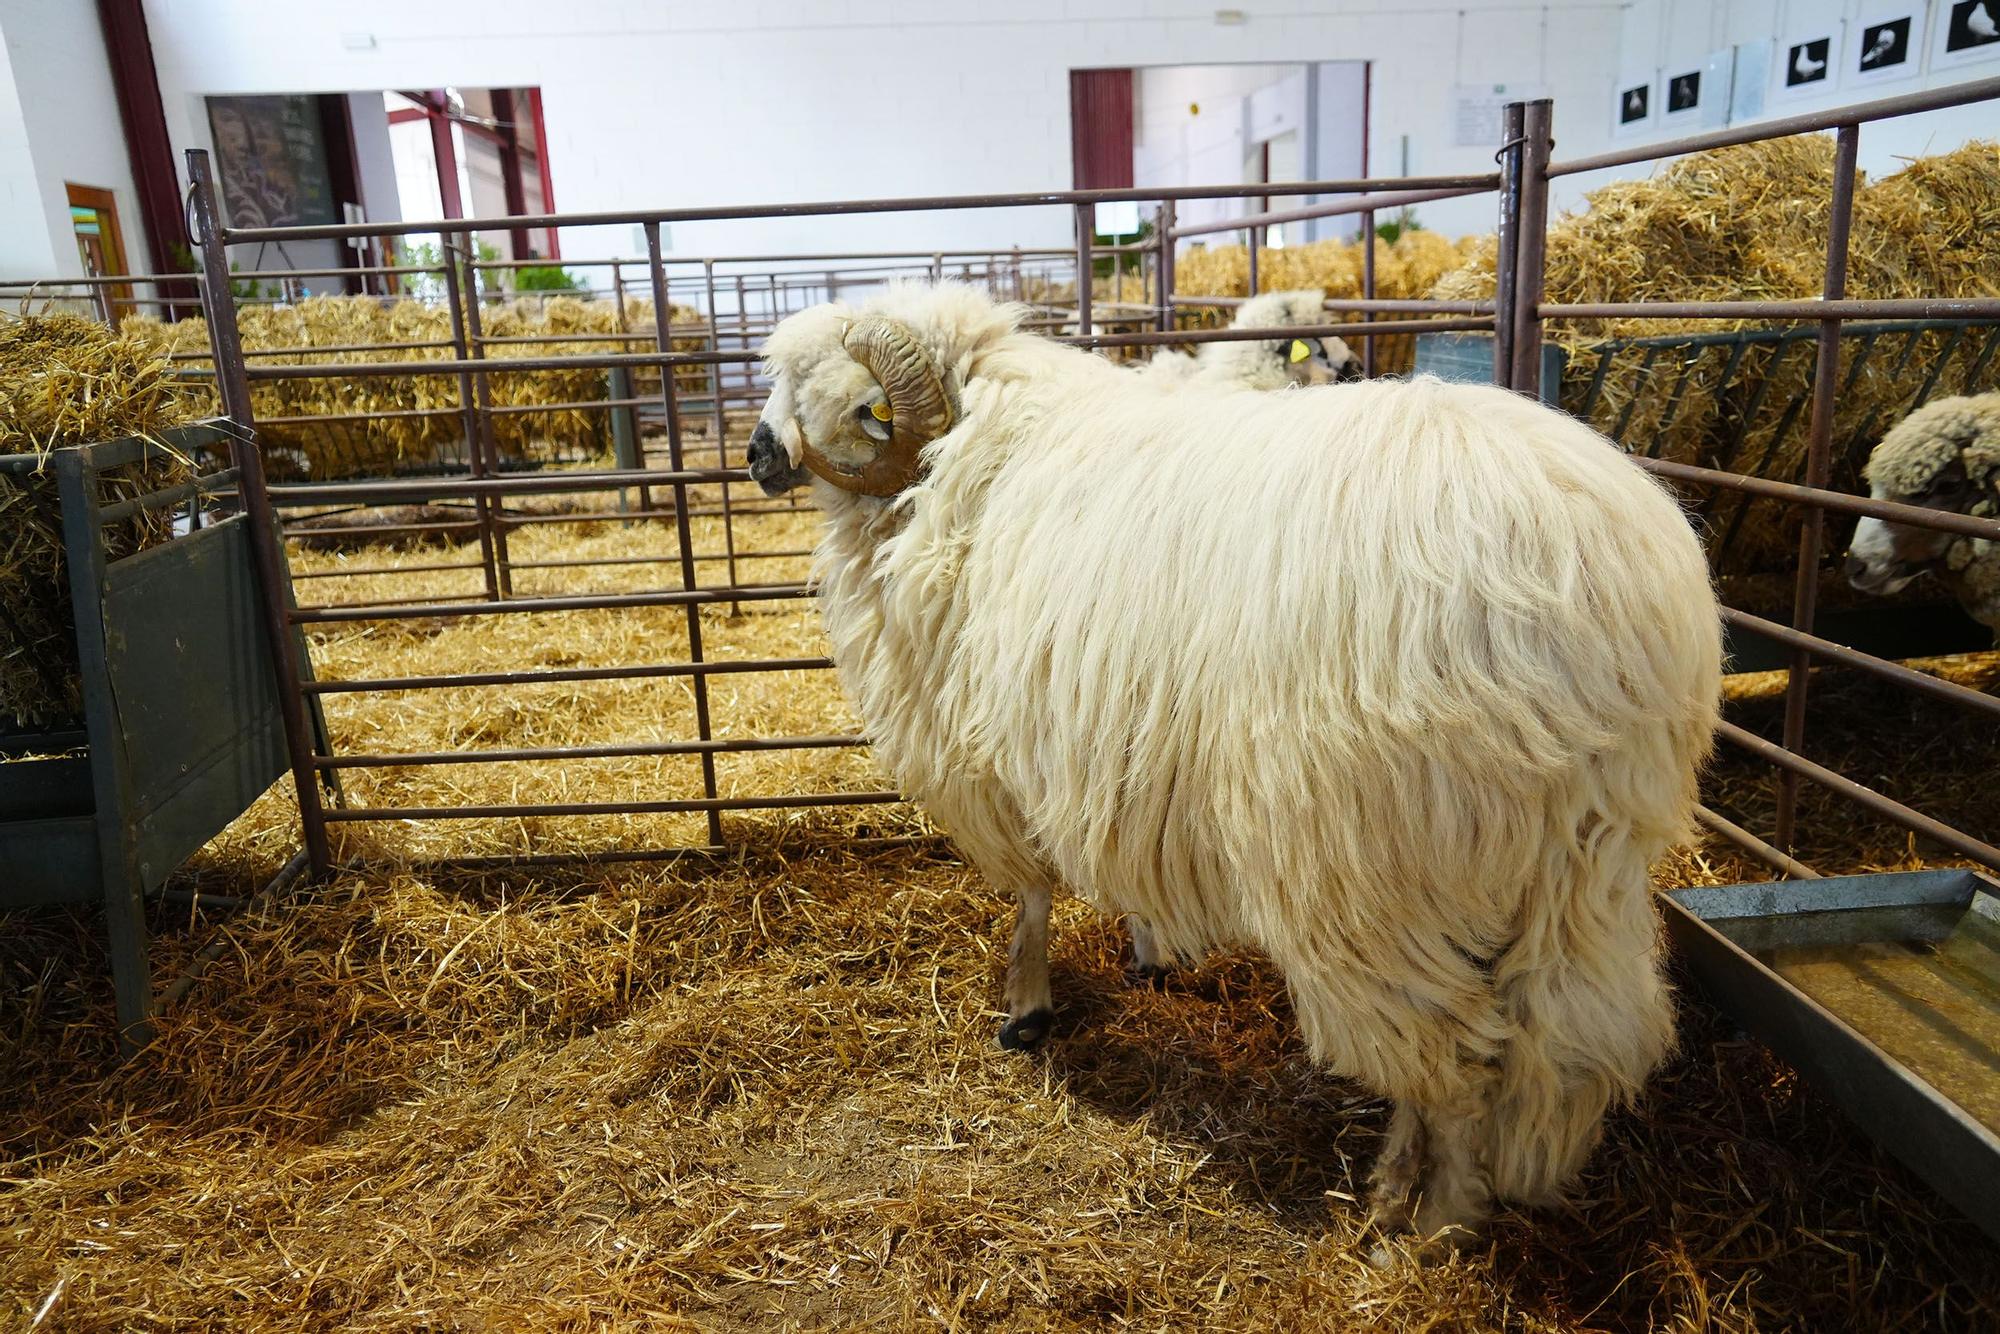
(1854, 569)
(767, 456)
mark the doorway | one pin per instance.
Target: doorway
(93, 217)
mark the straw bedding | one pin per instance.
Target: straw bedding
(762, 1092)
(64, 382)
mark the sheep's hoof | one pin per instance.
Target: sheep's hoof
(1028, 1030)
(1152, 976)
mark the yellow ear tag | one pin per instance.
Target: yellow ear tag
(1299, 350)
(880, 411)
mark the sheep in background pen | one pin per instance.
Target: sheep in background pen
(1405, 684)
(1275, 363)
(1945, 456)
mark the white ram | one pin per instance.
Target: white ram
(1944, 456)
(1405, 684)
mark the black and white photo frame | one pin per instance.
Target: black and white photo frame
(1698, 94)
(1884, 45)
(1635, 106)
(1807, 62)
(1966, 32)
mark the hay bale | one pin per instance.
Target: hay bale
(379, 443)
(65, 382)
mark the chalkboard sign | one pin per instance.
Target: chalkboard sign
(271, 155)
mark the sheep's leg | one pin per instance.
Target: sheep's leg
(1030, 1009)
(1148, 968)
(1392, 1187)
(1456, 1197)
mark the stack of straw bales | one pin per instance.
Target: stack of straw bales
(383, 442)
(1748, 223)
(65, 382)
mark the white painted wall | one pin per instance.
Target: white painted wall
(726, 103)
(58, 123)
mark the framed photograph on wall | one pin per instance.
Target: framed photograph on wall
(1698, 95)
(1885, 45)
(1807, 62)
(1635, 105)
(1967, 31)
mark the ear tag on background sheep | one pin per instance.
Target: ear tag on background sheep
(879, 411)
(1300, 351)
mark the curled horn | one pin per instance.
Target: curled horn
(920, 410)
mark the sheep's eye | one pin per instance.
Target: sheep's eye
(1298, 351)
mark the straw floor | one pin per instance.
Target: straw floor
(762, 1091)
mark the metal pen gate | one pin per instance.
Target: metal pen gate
(1516, 317)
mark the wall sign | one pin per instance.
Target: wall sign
(1807, 62)
(1967, 31)
(1477, 110)
(1887, 44)
(1634, 107)
(270, 154)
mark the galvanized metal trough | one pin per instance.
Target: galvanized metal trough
(1884, 991)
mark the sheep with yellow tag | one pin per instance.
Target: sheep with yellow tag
(1277, 363)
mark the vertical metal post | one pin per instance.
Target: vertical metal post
(491, 510)
(1166, 265)
(677, 462)
(1536, 128)
(1250, 242)
(1368, 291)
(489, 566)
(722, 423)
(1506, 257)
(1017, 273)
(1086, 234)
(120, 884)
(1819, 469)
(274, 579)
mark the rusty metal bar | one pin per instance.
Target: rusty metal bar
(1916, 516)
(1537, 131)
(1819, 470)
(1755, 846)
(713, 806)
(1164, 267)
(1086, 233)
(598, 602)
(631, 750)
(1803, 310)
(661, 312)
(1368, 291)
(719, 421)
(1867, 798)
(272, 585)
(557, 675)
(1358, 203)
(470, 401)
(1257, 335)
(1385, 306)
(1921, 682)
(582, 361)
(380, 570)
(1470, 184)
(1506, 257)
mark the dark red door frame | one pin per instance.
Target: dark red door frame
(434, 106)
(510, 170)
(128, 49)
(542, 168)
